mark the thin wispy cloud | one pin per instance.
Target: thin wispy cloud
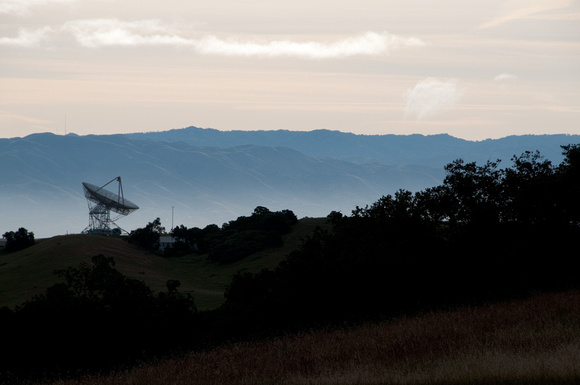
(505, 77)
(431, 96)
(111, 32)
(96, 33)
(524, 9)
(22, 7)
(27, 38)
(370, 43)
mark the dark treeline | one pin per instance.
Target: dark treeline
(235, 240)
(485, 234)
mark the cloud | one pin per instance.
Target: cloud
(22, 7)
(370, 43)
(524, 9)
(431, 96)
(112, 32)
(97, 33)
(27, 38)
(505, 77)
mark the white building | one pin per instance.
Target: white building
(166, 241)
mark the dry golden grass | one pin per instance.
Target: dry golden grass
(532, 341)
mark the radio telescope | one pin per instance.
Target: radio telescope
(106, 207)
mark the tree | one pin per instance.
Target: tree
(148, 237)
(190, 239)
(399, 208)
(569, 173)
(18, 240)
(529, 189)
(292, 218)
(261, 210)
(475, 191)
(435, 204)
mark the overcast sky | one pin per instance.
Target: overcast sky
(473, 69)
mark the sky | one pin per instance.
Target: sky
(472, 69)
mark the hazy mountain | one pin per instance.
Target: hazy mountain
(210, 176)
(433, 150)
(42, 174)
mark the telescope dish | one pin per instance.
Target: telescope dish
(102, 203)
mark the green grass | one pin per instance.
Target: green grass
(30, 271)
(535, 341)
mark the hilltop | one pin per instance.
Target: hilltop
(30, 271)
(424, 150)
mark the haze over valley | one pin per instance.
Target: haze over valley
(208, 176)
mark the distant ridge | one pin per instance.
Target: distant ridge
(431, 150)
(42, 191)
(212, 176)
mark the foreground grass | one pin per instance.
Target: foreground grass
(532, 341)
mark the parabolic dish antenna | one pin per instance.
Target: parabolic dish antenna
(104, 202)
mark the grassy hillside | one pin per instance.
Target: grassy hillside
(30, 271)
(522, 342)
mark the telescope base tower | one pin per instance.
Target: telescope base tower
(101, 204)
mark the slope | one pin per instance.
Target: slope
(29, 272)
(529, 341)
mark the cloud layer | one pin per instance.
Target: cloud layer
(112, 32)
(431, 96)
(27, 38)
(97, 33)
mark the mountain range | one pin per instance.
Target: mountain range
(196, 176)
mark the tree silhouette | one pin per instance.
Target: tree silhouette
(18, 240)
(484, 234)
(529, 190)
(475, 191)
(569, 182)
(148, 237)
